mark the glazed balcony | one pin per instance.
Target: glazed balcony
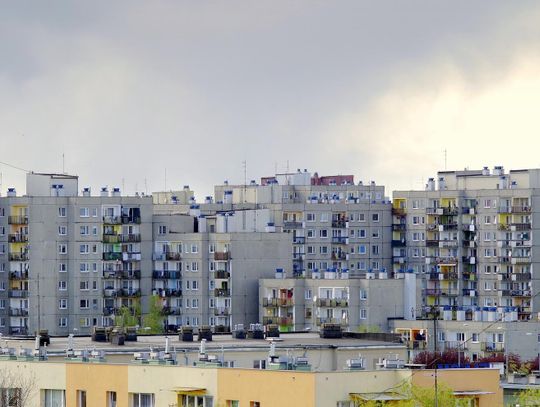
(432, 243)
(521, 276)
(171, 311)
(14, 256)
(129, 293)
(299, 240)
(166, 275)
(17, 238)
(222, 256)
(521, 209)
(18, 220)
(399, 227)
(122, 275)
(399, 211)
(520, 226)
(520, 293)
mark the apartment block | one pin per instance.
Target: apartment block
(359, 304)
(69, 261)
(471, 238)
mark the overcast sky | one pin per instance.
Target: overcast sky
(129, 90)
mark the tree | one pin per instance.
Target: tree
(416, 396)
(129, 317)
(529, 397)
(154, 319)
(16, 389)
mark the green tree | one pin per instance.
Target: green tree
(129, 317)
(154, 319)
(529, 397)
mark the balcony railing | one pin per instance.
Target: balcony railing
(339, 256)
(18, 293)
(339, 240)
(398, 243)
(299, 240)
(521, 209)
(18, 220)
(18, 312)
(123, 292)
(112, 220)
(283, 321)
(111, 239)
(131, 238)
(222, 292)
(168, 292)
(292, 225)
(469, 292)
(18, 275)
(130, 219)
(18, 256)
(496, 347)
(432, 291)
(166, 275)
(419, 345)
(459, 345)
(222, 311)
(222, 256)
(222, 275)
(520, 226)
(399, 211)
(332, 302)
(399, 227)
(112, 256)
(17, 238)
(123, 275)
(171, 311)
(340, 223)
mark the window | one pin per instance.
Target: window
(81, 398)
(487, 203)
(363, 313)
(85, 230)
(162, 229)
(84, 285)
(311, 250)
(361, 217)
(460, 336)
(324, 217)
(62, 212)
(362, 233)
(62, 249)
(62, 268)
(487, 219)
(310, 217)
(54, 398)
(233, 403)
(194, 248)
(194, 266)
(194, 285)
(62, 303)
(310, 233)
(375, 217)
(363, 294)
(83, 267)
(94, 230)
(62, 322)
(375, 249)
(474, 337)
(62, 285)
(111, 399)
(62, 230)
(323, 249)
(307, 294)
(84, 304)
(362, 249)
(254, 404)
(94, 212)
(211, 248)
(84, 213)
(323, 233)
(84, 249)
(195, 303)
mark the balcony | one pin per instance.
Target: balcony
(520, 293)
(399, 211)
(171, 311)
(448, 276)
(432, 243)
(18, 293)
(494, 347)
(18, 312)
(18, 256)
(328, 320)
(111, 239)
(467, 292)
(130, 238)
(449, 292)
(339, 256)
(123, 275)
(166, 275)
(339, 224)
(18, 330)
(112, 220)
(520, 226)
(399, 227)
(299, 240)
(107, 311)
(131, 256)
(434, 276)
(282, 321)
(450, 260)
(222, 292)
(431, 291)
(130, 219)
(221, 275)
(167, 292)
(173, 256)
(521, 276)
(222, 256)
(332, 302)
(18, 275)
(339, 240)
(503, 259)
(398, 243)
(222, 312)
(416, 345)
(292, 225)
(459, 345)
(18, 220)
(112, 256)
(270, 302)
(17, 238)
(448, 226)
(521, 260)
(124, 292)
(299, 256)
(521, 209)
